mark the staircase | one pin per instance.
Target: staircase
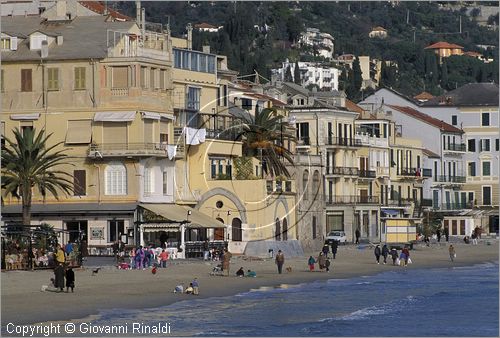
(417, 211)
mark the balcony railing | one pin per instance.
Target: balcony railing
(303, 141)
(450, 179)
(426, 202)
(131, 149)
(342, 141)
(399, 202)
(455, 147)
(351, 199)
(347, 171)
(226, 135)
(454, 206)
(367, 173)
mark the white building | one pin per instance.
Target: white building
(311, 73)
(322, 43)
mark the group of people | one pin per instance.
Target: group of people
(249, 273)
(192, 289)
(402, 259)
(60, 275)
(142, 258)
(322, 260)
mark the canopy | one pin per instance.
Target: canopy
(178, 214)
(29, 117)
(392, 212)
(116, 116)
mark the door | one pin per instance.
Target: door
(77, 230)
(219, 232)
(236, 230)
(486, 195)
(363, 196)
(285, 229)
(277, 233)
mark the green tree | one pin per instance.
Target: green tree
(264, 135)
(444, 75)
(30, 163)
(343, 80)
(357, 80)
(296, 74)
(288, 75)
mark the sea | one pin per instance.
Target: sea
(443, 302)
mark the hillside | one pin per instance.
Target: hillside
(411, 26)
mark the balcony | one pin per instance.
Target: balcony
(342, 141)
(450, 179)
(401, 202)
(427, 172)
(303, 143)
(453, 206)
(351, 199)
(368, 140)
(426, 202)
(367, 174)
(342, 171)
(226, 135)
(131, 149)
(455, 147)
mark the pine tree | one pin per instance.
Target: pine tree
(288, 75)
(357, 78)
(296, 74)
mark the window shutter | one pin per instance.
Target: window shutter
(26, 83)
(13, 43)
(79, 183)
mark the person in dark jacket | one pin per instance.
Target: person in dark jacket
(394, 255)
(438, 234)
(70, 280)
(377, 253)
(385, 252)
(358, 234)
(59, 277)
(335, 245)
(326, 249)
(280, 260)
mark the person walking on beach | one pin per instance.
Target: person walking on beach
(321, 261)
(280, 260)
(451, 250)
(59, 255)
(226, 260)
(446, 233)
(335, 245)
(377, 253)
(326, 249)
(394, 255)
(407, 254)
(438, 234)
(358, 234)
(473, 236)
(311, 262)
(70, 280)
(385, 252)
(59, 277)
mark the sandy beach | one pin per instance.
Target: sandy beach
(24, 303)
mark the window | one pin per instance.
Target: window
(485, 119)
(152, 76)
(25, 126)
(194, 62)
(177, 58)
(163, 74)
(148, 181)
(80, 78)
(165, 183)
(224, 95)
(5, 44)
(211, 64)
(484, 144)
(472, 145)
(303, 132)
(213, 169)
(120, 77)
(305, 180)
(116, 179)
(185, 59)
(229, 168)
(314, 227)
(246, 104)
(53, 79)
(116, 228)
(144, 83)
(79, 183)
(486, 195)
(203, 63)
(486, 168)
(496, 145)
(454, 120)
(193, 98)
(26, 81)
(471, 169)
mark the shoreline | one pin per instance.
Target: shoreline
(24, 303)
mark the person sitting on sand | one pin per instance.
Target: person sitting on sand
(251, 273)
(179, 289)
(189, 289)
(240, 272)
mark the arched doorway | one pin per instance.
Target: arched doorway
(285, 229)
(236, 230)
(219, 232)
(277, 234)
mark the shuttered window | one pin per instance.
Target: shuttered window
(79, 183)
(79, 131)
(148, 131)
(120, 77)
(80, 78)
(116, 179)
(2, 87)
(53, 79)
(152, 78)
(144, 83)
(163, 73)
(26, 81)
(163, 131)
(115, 132)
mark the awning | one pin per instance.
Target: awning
(79, 131)
(168, 116)
(178, 214)
(18, 117)
(391, 212)
(117, 116)
(150, 116)
(154, 227)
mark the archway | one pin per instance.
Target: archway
(277, 234)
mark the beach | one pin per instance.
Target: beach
(24, 303)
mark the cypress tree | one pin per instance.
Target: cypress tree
(444, 75)
(296, 74)
(357, 78)
(288, 75)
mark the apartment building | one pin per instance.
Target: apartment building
(311, 74)
(103, 88)
(321, 43)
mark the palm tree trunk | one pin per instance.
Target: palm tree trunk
(27, 207)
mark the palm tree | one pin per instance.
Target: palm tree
(28, 163)
(266, 132)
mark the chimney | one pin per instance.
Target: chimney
(206, 49)
(189, 29)
(138, 20)
(44, 51)
(143, 22)
(61, 10)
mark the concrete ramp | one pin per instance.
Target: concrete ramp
(290, 248)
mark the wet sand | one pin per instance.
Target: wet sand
(24, 303)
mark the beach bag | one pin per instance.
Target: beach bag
(409, 260)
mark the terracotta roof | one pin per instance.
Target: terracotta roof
(353, 106)
(426, 118)
(98, 7)
(205, 25)
(378, 28)
(429, 153)
(424, 96)
(443, 45)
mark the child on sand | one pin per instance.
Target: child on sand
(311, 262)
(251, 273)
(70, 280)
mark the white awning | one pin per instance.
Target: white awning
(168, 116)
(116, 116)
(18, 117)
(178, 214)
(150, 115)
